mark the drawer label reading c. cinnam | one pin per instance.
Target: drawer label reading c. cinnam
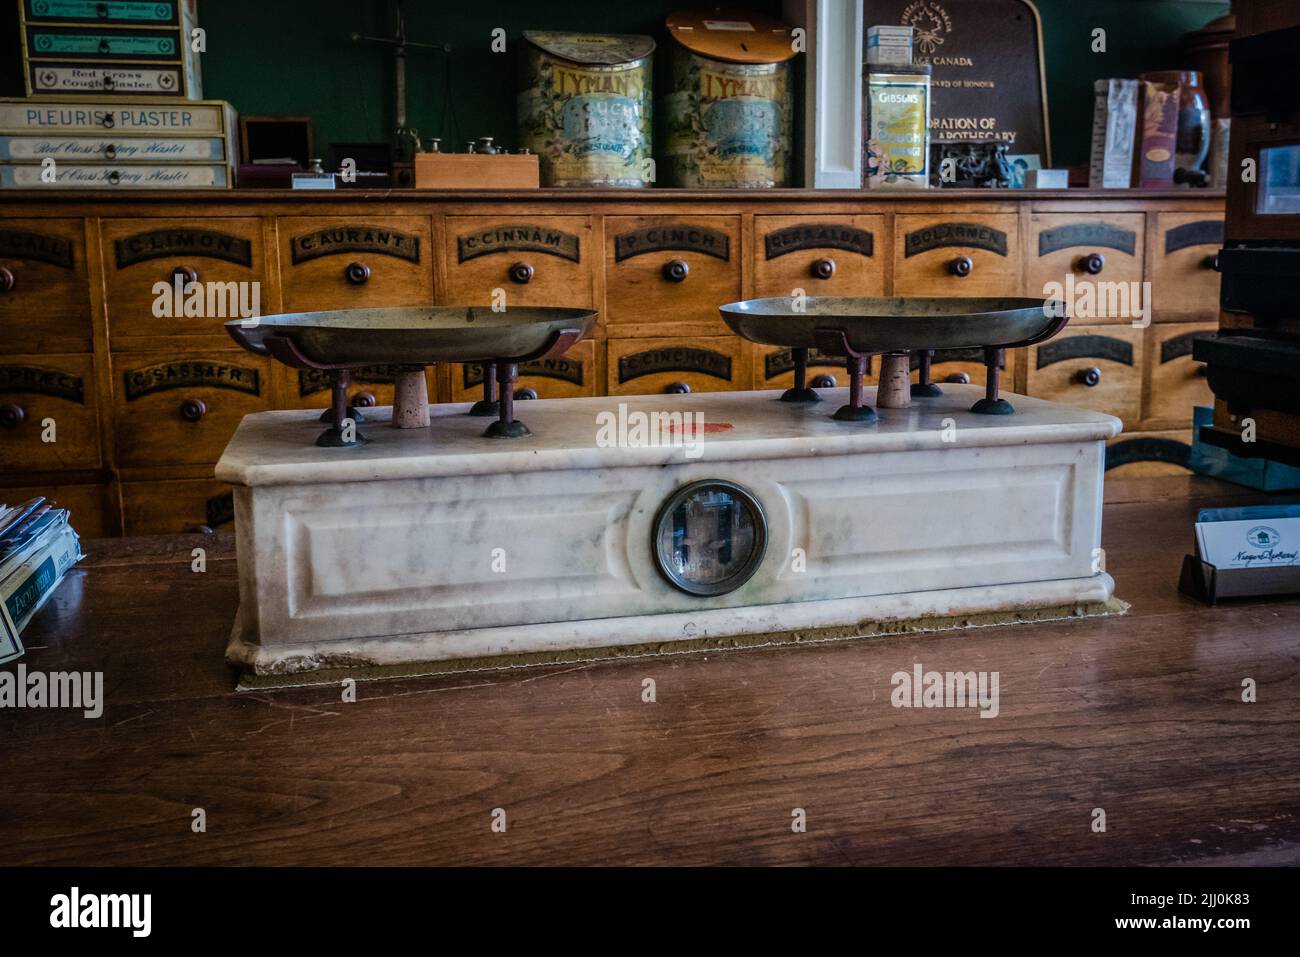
(518, 238)
(190, 374)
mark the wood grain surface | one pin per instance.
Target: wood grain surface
(1139, 715)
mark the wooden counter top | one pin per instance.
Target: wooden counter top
(1139, 715)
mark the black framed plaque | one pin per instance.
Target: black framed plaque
(986, 57)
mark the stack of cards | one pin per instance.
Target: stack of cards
(37, 547)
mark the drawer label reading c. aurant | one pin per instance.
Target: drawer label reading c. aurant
(354, 239)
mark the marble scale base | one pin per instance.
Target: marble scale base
(434, 544)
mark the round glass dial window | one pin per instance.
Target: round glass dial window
(710, 537)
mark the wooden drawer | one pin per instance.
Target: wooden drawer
(370, 386)
(139, 253)
(347, 262)
(1146, 454)
(183, 505)
(773, 367)
(927, 249)
(174, 408)
(1184, 284)
(822, 255)
(569, 376)
(93, 507)
(644, 286)
(44, 292)
(1177, 381)
(651, 366)
(519, 261)
(1059, 370)
(1096, 249)
(44, 398)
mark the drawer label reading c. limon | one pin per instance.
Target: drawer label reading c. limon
(190, 374)
(942, 235)
(182, 241)
(336, 240)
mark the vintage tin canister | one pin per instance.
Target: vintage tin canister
(584, 107)
(729, 114)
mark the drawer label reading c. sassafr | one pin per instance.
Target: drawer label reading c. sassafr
(518, 238)
(182, 241)
(941, 235)
(190, 374)
(1203, 232)
(42, 381)
(354, 239)
(1085, 347)
(674, 359)
(679, 236)
(38, 247)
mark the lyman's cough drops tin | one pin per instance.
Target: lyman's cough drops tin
(729, 115)
(584, 107)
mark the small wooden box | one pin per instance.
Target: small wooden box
(476, 171)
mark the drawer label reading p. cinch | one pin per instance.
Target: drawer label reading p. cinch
(674, 359)
(519, 238)
(37, 247)
(190, 374)
(941, 235)
(182, 241)
(354, 239)
(40, 381)
(679, 236)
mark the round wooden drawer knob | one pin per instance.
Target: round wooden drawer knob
(187, 275)
(193, 409)
(526, 393)
(11, 416)
(677, 388)
(1088, 377)
(364, 400)
(961, 266)
(1093, 263)
(1210, 262)
(958, 378)
(676, 270)
(823, 381)
(823, 268)
(357, 273)
(7, 279)
(521, 273)
(114, 177)
(110, 151)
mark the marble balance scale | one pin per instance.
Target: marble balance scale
(643, 524)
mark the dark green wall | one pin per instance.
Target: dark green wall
(295, 57)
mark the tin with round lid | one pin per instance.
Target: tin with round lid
(584, 107)
(729, 114)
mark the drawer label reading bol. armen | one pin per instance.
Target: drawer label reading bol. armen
(522, 238)
(941, 235)
(354, 239)
(189, 374)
